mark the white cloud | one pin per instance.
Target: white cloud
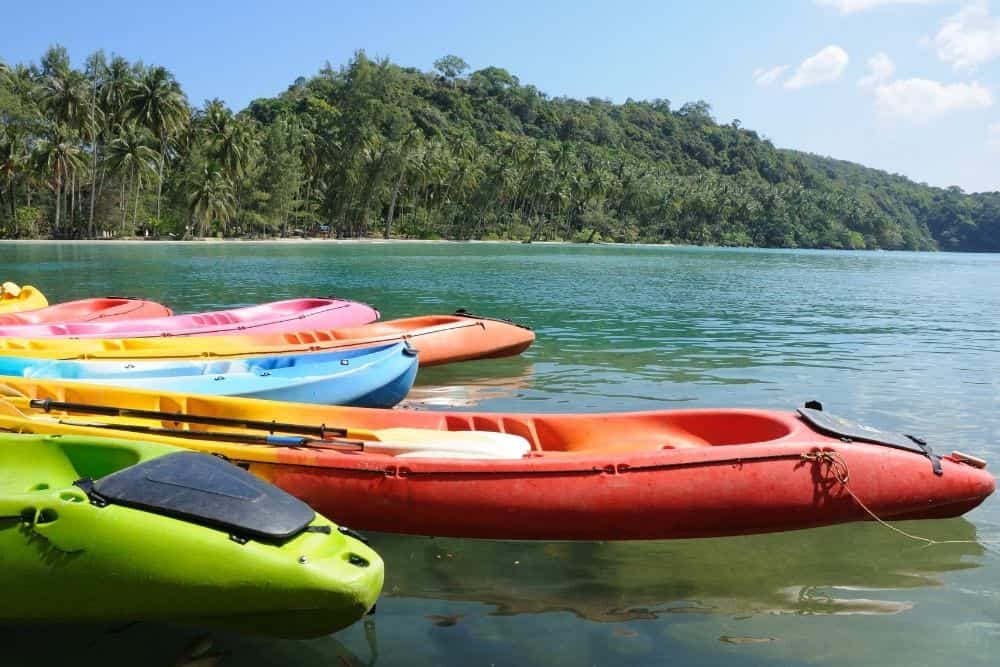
(969, 38)
(766, 76)
(827, 65)
(880, 68)
(855, 6)
(922, 100)
(993, 136)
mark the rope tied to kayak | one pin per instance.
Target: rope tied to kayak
(842, 474)
(836, 463)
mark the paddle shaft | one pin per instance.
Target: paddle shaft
(241, 438)
(394, 440)
(475, 439)
(47, 404)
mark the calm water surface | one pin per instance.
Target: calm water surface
(896, 339)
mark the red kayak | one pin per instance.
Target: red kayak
(638, 475)
(104, 309)
(671, 474)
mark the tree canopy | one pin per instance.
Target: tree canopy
(116, 149)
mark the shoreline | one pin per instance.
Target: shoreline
(381, 241)
(210, 241)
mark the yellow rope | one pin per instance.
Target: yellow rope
(838, 466)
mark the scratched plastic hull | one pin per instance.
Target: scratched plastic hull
(642, 475)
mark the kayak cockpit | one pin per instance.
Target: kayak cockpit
(633, 432)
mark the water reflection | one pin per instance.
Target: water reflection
(842, 570)
(154, 644)
(898, 340)
(471, 384)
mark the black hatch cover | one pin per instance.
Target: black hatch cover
(206, 490)
(839, 427)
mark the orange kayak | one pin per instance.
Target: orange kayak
(103, 309)
(638, 475)
(440, 339)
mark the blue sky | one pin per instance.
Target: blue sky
(929, 107)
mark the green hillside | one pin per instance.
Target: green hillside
(372, 148)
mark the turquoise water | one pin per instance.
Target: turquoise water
(900, 340)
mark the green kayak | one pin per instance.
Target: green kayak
(95, 529)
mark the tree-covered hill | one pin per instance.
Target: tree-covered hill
(372, 148)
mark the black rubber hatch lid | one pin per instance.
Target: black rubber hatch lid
(207, 490)
(839, 427)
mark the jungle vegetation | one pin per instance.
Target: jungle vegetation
(115, 149)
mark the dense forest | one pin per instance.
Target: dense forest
(115, 149)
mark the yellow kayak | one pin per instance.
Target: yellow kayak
(15, 299)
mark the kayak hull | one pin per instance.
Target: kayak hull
(97, 310)
(377, 377)
(440, 339)
(68, 560)
(643, 475)
(626, 498)
(278, 316)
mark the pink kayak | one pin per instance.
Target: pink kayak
(104, 309)
(280, 316)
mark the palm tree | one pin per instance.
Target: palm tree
(118, 81)
(156, 102)
(212, 199)
(95, 128)
(14, 162)
(230, 142)
(311, 161)
(65, 98)
(230, 139)
(62, 158)
(131, 153)
(404, 159)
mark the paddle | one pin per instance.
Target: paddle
(47, 405)
(488, 444)
(399, 449)
(242, 438)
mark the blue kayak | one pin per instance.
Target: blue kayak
(370, 377)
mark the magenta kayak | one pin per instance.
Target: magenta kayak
(280, 316)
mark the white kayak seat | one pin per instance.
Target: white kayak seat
(430, 443)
